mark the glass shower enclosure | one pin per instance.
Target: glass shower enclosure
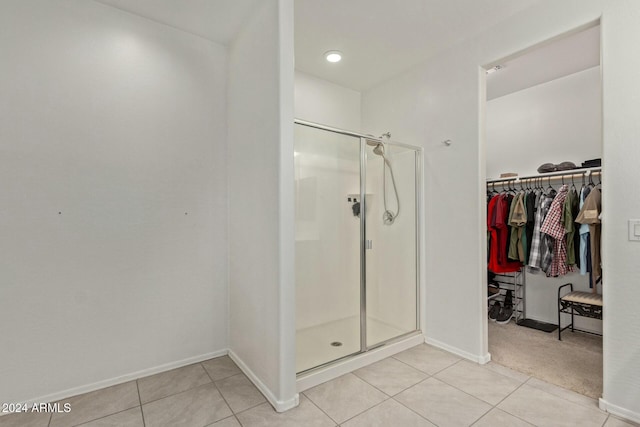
(357, 243)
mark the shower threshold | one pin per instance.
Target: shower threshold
(319, 359)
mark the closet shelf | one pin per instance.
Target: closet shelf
(576, 173)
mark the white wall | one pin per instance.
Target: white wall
(113, 249)
(552, 122)
(441, 99)
(320, 101)
(557, 121)
(621, 96)
(261, 236)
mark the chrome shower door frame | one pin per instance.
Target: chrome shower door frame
(363, 236)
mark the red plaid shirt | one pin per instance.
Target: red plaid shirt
(553, 227)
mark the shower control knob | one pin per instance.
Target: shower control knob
(388, 217)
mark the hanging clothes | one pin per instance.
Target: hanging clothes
(540, 256)
(552, 226)
(497, 218)
(585, 258)
(517, 220)
(590, 215)
(530, 205)
(569, 213)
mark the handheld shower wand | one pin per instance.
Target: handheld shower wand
(388, 217)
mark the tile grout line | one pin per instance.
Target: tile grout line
(172, 394)
(391, 357)
(420, 415)
(369, 384)
(468, 394)
(251, 407)
(485, 366)
(379, 403)
(216, 386)
(505, 398)
(144, 423)
(317, 406)
(225, 400)
(366, 410)
(551, 394)
(509, 394)
(593, 405)
(431, 375)
(225, 418)
(450, 366)
(104, 416)
(182, 392)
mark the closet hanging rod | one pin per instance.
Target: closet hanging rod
(552, 175)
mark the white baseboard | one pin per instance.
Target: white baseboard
(124, 378)
(278, 405)
(481, 359)
(327, 373)
(618, 411)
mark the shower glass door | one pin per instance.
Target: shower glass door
(328, 236)
(356, 202)
(391, 241)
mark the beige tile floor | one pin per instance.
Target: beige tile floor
(423, 386)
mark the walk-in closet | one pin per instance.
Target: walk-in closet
(543, 168)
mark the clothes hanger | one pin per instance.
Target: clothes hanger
(493, 189)
(573, 184)
(551, 191)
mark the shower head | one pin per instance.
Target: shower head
(378, 148)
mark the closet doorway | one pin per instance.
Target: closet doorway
(543, 139)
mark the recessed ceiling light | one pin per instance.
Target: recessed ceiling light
(495, 68)
(333, 56)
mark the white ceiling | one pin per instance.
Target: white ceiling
(216, 20)
(562, 57)
(382, 38)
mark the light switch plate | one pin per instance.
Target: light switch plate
(634, 230)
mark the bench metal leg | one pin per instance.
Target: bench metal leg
(570, 285)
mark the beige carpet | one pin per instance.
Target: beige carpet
(574, 363)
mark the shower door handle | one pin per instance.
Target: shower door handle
(368, 244)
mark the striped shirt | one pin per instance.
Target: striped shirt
(535, 257)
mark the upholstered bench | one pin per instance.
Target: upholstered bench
(577, 303)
